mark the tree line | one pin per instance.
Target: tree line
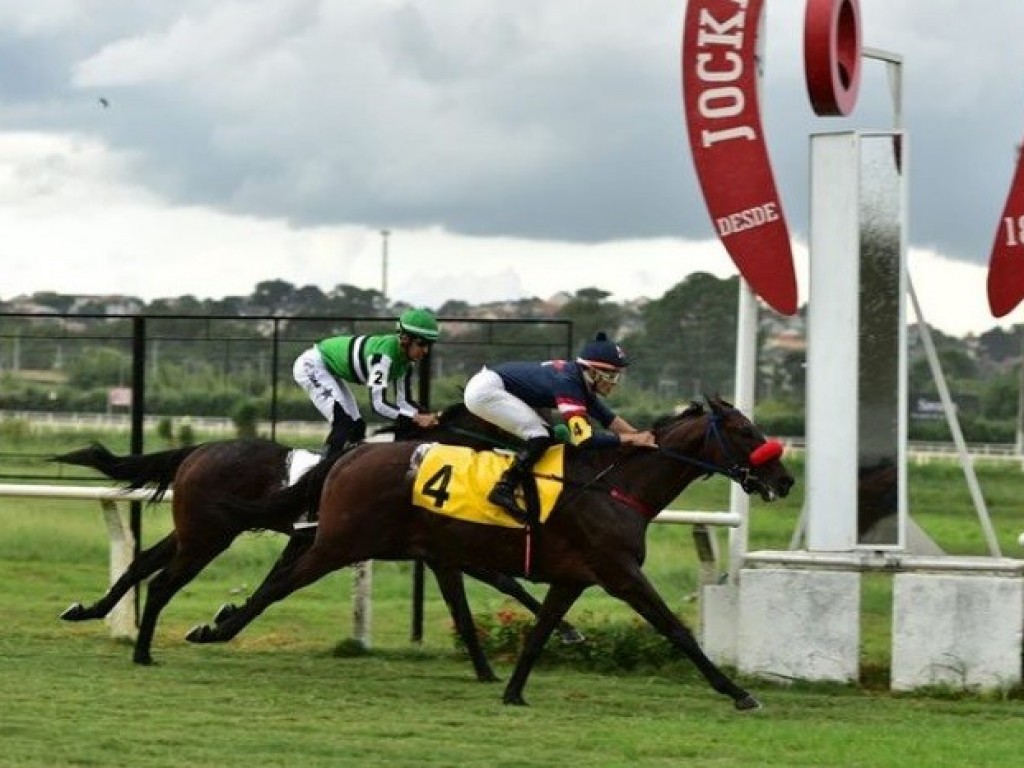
(212, 356)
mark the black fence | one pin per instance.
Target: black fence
(188, 366)
(206, 366)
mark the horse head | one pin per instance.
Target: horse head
(721, 439)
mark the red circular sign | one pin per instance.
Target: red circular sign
(832, 49)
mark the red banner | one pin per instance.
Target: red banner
(1006, 267)
(727, 142)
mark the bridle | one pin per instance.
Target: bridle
(736, 469)
(742, 473)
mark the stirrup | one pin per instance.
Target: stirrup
(306, 521)
(505, 498)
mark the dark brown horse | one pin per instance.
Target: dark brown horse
(244, 469)
(595, 534)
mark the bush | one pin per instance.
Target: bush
(15, 431)
(186, 435)
(245, 417)
(609, 647)
(165, 429)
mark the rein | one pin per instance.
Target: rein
(735, 470)
(493, 441)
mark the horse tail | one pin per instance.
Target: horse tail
(151, 469)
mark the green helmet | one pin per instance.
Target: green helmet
(420, 323)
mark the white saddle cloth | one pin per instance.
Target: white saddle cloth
(299, 462)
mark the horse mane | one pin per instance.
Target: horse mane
(453, 413)
(457, 426)
(693, 410)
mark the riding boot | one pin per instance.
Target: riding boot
(344, 431)
(358, 433)
(504, 492)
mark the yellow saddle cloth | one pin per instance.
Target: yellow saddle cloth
(454, 481)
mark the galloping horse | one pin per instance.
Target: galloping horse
(246, 469)
(594, 535)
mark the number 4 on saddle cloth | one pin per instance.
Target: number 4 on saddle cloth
(454, 481)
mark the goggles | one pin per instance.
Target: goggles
(608, 377)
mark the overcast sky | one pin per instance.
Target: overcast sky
(512, 148)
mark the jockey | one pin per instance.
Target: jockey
(507, 394)
(326, 369)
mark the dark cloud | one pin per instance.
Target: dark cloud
(539, 122)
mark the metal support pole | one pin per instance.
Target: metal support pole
(954, 427)
(746, 377)
(362, 603)
(384, 234)
(416, 630)
(275, 353)
(138, 430)
(123, 617)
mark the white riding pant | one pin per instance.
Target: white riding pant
(486, 397)
(310, 373)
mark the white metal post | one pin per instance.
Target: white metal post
(746, 379)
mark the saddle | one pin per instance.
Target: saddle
(454, 481)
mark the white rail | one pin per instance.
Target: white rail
(89, 493)
(122, 620)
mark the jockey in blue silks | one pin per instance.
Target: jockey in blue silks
(507, 394)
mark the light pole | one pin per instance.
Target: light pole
(384, 233)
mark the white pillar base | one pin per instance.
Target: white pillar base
(798, 624)
(958, 630)
(719, 620)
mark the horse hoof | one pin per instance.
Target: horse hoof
(488, 677)
(200, 633)
(145, 661)
(747, 704)
(514, 700)
(223, 612)
(572, 637)
(74, 612)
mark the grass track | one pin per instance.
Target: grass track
(277, 696)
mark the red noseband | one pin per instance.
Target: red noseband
(769, 451)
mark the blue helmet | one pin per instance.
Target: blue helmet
(602, 353)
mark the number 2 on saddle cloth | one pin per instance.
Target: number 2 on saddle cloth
(454, 481)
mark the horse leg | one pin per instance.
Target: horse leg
(279, 583)
(141, 568)
(559, 599)
(163, 587)
(630, 585)
(508, 585)
(297, 544)
(454, 592)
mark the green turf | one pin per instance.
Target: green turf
(279, 695)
